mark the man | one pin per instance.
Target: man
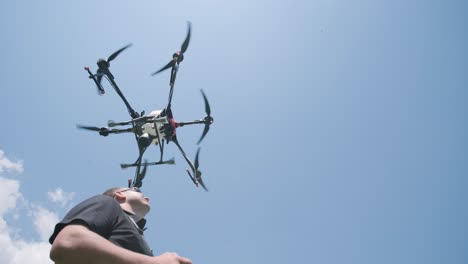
(107, 229)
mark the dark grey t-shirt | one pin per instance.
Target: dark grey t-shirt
(104, 216)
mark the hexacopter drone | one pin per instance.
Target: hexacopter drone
(155, 128)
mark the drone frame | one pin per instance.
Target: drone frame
(164, 120)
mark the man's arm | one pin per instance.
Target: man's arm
(77, 244)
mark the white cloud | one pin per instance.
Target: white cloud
(26, 253)
(6, 245)
(7, 165)
(9, 194)
(44, 221)
(13, 248)
(16, 251)
(60, 197)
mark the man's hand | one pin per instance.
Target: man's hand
(171, 258)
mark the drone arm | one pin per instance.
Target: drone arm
(119, 131)
(130, 110)
(174, 138)
(175, 68)
(206, 121)
(111, 123)
(171, 91)
(181, 124)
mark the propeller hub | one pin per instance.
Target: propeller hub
(104, 131)
(102, 63)
(178, 56)
(209, 120)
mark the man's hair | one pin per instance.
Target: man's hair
(110, 192)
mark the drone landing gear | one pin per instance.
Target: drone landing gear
(170, 161)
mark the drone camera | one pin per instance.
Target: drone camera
(144, 140)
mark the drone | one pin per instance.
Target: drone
(156, 128)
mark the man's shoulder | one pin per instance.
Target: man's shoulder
(96, 212)
(100, 198)
(99, 202)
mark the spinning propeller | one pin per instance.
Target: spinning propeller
(178, 56)
(105, 64)
(197, 179)
(104, 131)
(103, 70)
(208, 119)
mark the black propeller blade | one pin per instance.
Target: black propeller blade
(103, 131)
(167, 66)
(196, 160)
(115, 54)
(207, 105)
(205, 131)
(208, 119)
(178, 57)
(197, 172)
(92, 128)
(138, 182)
(184, 46)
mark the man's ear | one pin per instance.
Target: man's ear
(120, 197)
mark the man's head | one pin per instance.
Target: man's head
(131, 200)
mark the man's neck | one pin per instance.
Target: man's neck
(135, 216)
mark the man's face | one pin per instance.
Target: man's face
(136, 199)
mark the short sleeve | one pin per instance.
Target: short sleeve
(98, 213)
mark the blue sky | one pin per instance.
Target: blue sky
(339, 134)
